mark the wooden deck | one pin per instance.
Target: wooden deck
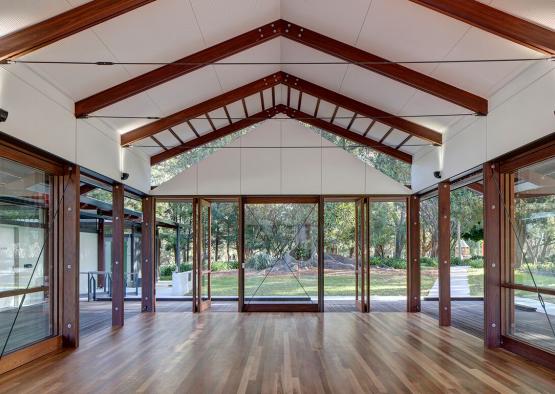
(279, 352)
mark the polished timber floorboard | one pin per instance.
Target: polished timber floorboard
(279, 352)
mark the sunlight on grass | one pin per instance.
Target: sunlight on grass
(390, 282)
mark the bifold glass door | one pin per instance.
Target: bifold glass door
(280, 263)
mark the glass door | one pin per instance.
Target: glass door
(202, 298)
(281, 249)
(362, 271)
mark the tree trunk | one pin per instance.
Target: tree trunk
(217, 246)
(227, 240)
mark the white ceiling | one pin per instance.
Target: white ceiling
(167, 30)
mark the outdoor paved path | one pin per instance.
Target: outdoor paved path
(459, 283)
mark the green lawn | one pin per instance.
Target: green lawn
(428, 276)
(383, 282)
(476, 281)
(542, 280)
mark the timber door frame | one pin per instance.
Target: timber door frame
(200, 305)
(362, 252)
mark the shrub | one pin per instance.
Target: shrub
(545, 267)
(455, 260)
(428, 262)
(259, 262)
(166, 270)
(224, 265)
(476, 262)
(390, 262)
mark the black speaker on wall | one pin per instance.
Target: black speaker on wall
(3, 115)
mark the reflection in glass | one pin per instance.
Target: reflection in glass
(132, 241)
(429, 285)
(281, 261)
(529, 321)
(532, 244)
(25, 268)
(534, 225)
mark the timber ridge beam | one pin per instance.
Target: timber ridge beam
(280, 28)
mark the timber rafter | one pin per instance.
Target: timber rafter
(496, 22)
(280, 28)
(269, 113)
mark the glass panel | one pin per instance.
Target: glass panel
(339, 255)
(467, 264)
(132, 246)
(95, 241)
(132, 259)
(174, 249)
(530, 322)
(205, 286)
(25, 202)
(388, 251)
(281, 261)
(429, 285)
(428, 244)
(531, 241)
(534, 225)
(205, 238)
(224, 266)
(359, 233)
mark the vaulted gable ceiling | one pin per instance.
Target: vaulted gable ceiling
(166, 109)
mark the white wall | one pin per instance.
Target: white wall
(520, 113)
(43, 116)
(280, 156)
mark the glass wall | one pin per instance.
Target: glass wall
(531, 239)
(339, 256)
(26, 296)
(467, 259)
(429, 285)
(95, 256)
(132, 243)
(224, 249)
(388, 255)
(95, 245)
(174, 249)
(281, 260)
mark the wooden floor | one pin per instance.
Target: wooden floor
(279, 352)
